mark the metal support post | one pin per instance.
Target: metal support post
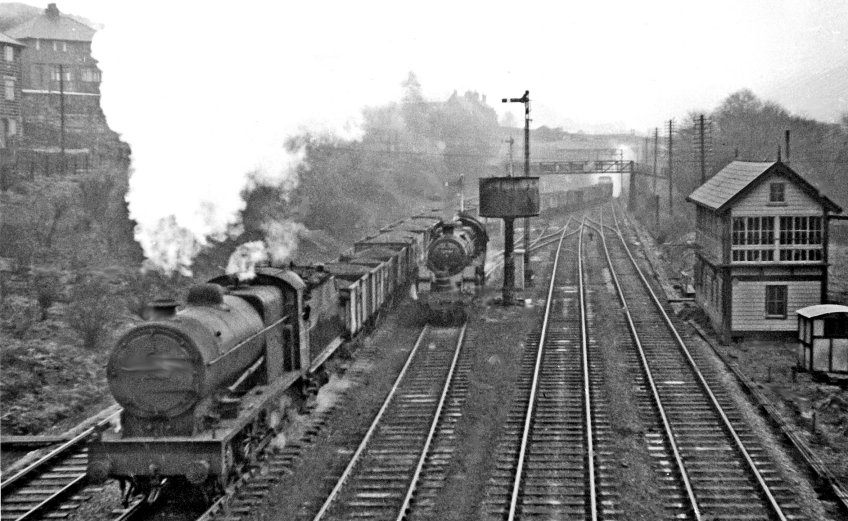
(509, 263)
(656, 148)
(670, 193)
(528, 273)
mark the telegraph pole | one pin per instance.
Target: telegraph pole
(703, 152)
(670, 202)
(62, 115)
(526, 100)
(656, 146)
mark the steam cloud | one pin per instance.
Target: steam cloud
(207, 97)
(279, 245)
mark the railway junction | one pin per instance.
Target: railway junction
(592, 400)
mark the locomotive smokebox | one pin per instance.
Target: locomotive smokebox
(162, 368)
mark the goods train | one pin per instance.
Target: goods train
(577, 198)
(203, 388)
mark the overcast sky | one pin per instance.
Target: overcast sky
(623, 62)
(205, 91)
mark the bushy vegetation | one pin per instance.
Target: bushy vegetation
(411, 154)
(745, 127)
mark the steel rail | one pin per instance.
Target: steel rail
(669, 433)
(700, 377)
(529, 416)
(587, 401)
(414, 483)
(355, 458)
(54, 453)
(32, 470)
(497, 259)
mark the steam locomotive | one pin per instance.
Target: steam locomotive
(454, 269)
(204, 388)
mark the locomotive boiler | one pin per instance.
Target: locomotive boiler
(454, 269)
(163, 372)
(201, 388)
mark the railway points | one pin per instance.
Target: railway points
(547, 455)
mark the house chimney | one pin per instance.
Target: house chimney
(787, 146)
(52, 12)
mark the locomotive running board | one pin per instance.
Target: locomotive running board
(330, 349)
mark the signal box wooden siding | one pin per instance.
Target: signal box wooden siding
(762, 247)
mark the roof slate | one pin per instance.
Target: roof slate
(737, 177)
(9, 40)
(720, 188)
(46, 27)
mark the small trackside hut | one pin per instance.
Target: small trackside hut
(823, 338)
(762, 237)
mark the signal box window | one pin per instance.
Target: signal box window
(777, 193)
(775, 301)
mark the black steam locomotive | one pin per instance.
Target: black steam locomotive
(203, 388)
(454, 269)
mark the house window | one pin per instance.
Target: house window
(54, 74)
(9, 84)
(9, 52)
(64, 46)
(775, 301)
(90, 75)
(37, 44)
(55, 45)
(12, 127)
(777, 194)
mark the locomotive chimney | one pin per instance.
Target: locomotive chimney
(160, 309)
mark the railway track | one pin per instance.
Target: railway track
(49, 484)
(553, 451)
(55, 485)
(386, 469)
(710, 462)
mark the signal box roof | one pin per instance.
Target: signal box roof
(740, 177)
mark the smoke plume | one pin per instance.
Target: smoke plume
(207, 97)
